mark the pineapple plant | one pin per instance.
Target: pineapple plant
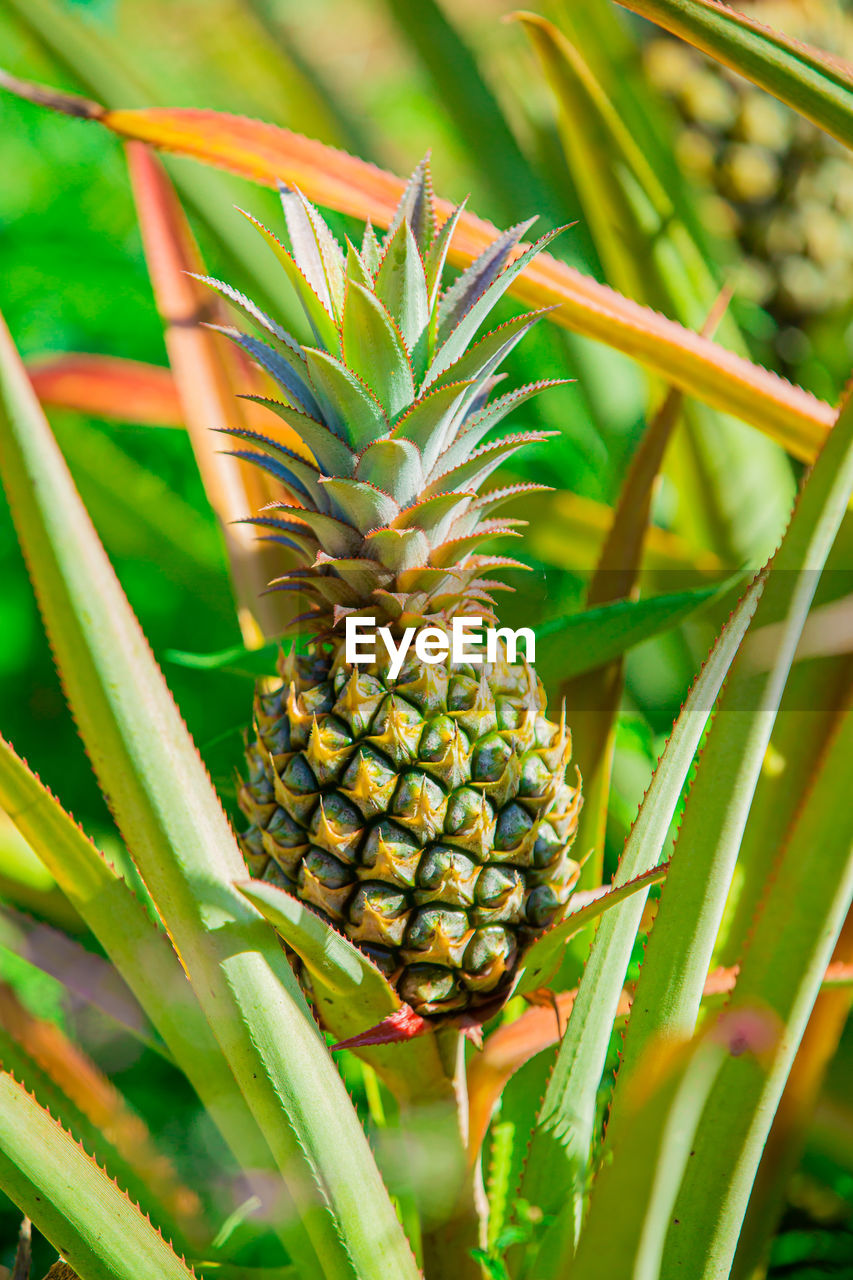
(425, 812)
(428, 796)
(777, 182)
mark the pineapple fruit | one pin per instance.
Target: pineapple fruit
(779, 183)
(428, 815)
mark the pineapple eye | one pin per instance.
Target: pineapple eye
(462, 693)
(545, 904)
(378, 914)
(513, 825)
(390, 854)
(436, 927)
(299, 777)
(448, 875)
(497, 884)
(535, 777)
(428, 984)
(420, 804)
(491, 755)
(437, 736)
(490, 954)
(331, 873)
(284, 831)
(548, 846)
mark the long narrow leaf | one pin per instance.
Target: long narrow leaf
(267, 154)
(178, 834)
(107, 387)
(816, 84)
(780, 972)
(633, 1196)
(699, 881)
(79, 1095)
(140, 952)
(207, 378)
(85, 974)
(560, 1149)
(77, 1206)
(787, 1138)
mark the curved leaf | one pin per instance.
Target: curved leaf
(265, 153)
(816, 84)
(73, 1202)
(555, 1175)
(781, 971)
(180, 838)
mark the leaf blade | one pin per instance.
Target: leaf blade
(263, 153)
(187, 855)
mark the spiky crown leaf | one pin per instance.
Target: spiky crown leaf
(392, 404)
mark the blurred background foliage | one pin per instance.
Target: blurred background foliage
(733, 191)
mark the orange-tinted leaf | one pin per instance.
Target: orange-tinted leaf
(99, 1103)
(107, 387)
(511, 1045)
(268, 154)
(209, 374)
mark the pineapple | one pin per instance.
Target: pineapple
(426, 815)
(780, 184)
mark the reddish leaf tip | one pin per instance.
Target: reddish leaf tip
(402, 1024)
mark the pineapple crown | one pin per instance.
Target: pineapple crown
(383, 505)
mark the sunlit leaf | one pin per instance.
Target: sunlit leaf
(816, 84)
(173, 823)
(72, 1201)
(266, 154)
(555, 1174)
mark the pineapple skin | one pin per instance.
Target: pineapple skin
(428, 818)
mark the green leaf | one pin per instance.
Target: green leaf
(374, 350)
(781, 970)
(348, 404)
(72, 1201)
(632, 1198)
(738, 505)
(317, 314)
(579, 642)
(181, 841)
(401, 284)
(351, 995)
(481, 360)
(470, 284)
(330, 453)
(427, 422)
(238, 660)
(85, 974)
(102, 64)
(541, 961)
(459, 338)
(698, 885)
(315, 248)
(555, 1174)
(814, 83)
(328, 955)
(83, 1100)
(394, 461)
(481, 126)
(363, 505)
(139, 950)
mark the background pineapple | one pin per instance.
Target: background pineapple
(426, 816)
(781, 185)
